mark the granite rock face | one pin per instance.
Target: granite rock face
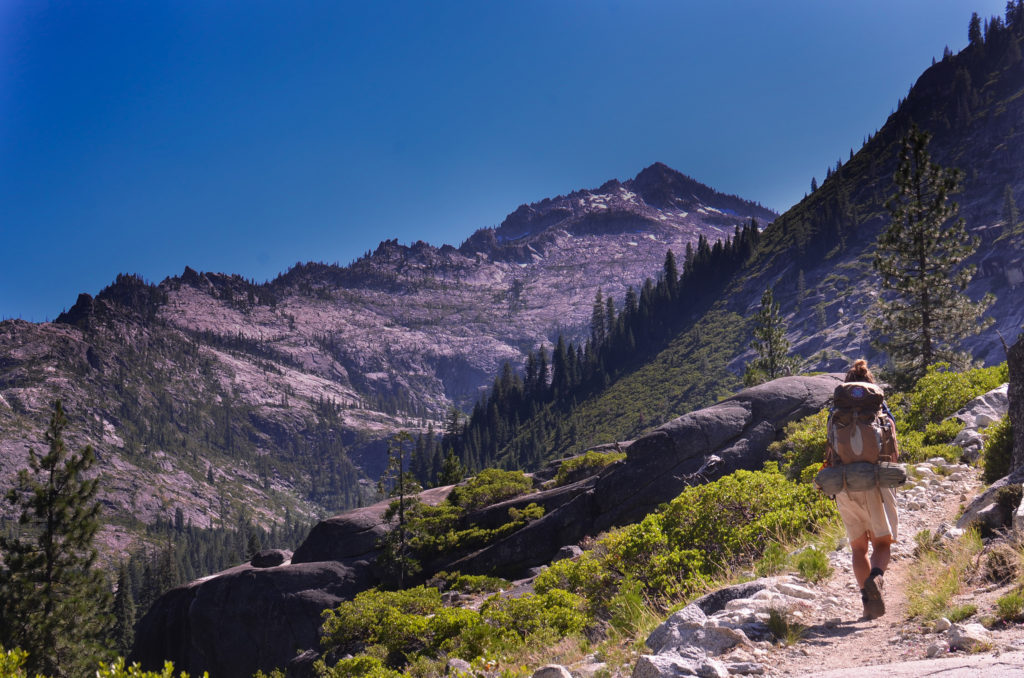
(1015, 396)
(214, 624)
(244, 619)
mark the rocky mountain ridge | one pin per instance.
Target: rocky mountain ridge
(213, 394)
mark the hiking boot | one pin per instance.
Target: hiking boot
(871, 596)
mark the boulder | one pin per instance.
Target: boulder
(271, 558)
(969, 637)
(987, 511)
(668, 634)
(242, 620)
(674, 664)
(986, 409)
(981, 412)
(459, 667)
(552, 671)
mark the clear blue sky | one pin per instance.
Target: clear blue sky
(242, 137)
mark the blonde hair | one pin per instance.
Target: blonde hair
(860, 372)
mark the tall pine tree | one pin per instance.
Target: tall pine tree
(923, 313)
(55, 604)
(770, 343)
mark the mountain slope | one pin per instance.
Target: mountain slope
(216, 395)
(817, 256)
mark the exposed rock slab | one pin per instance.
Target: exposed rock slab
(213, 624)
(243, 620)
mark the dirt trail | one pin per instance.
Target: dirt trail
(838, 638)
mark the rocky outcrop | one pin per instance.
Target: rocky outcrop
(994, 508)
(244, 619)
(1015, 360)
(713, 636)
(213, 624)
(981, 412)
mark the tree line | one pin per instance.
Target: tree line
(513, 425)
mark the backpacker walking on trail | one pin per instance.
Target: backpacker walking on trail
(861, 429)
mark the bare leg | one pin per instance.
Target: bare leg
(880, 552)
(861, 565)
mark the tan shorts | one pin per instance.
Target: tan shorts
(871, 512)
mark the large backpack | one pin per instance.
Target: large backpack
(859, 429)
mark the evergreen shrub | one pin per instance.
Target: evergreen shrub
(998, 450)
(467, 583)
(941, 392)
(355, 667)
(804, 444)
(489, 487)
(705, 529)
(572, 469)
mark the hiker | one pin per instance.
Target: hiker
(870, 515)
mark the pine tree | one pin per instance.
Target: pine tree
(974, 36)
(597, 322)
(55, 604)
(671, 274)
(770, 343)
(923, 313)
(124, 613)
(402, 485)
(452, 470)
(609, 315)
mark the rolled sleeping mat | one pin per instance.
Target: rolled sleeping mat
(859, 476)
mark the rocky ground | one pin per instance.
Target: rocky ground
(733, 639)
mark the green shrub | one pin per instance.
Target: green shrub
(1010, 606)
(489, 487)
(393, 619)
(941, 392)
(555, 611)
(809, 472)
(736, 517)
(591, 461)
(961, 612)
(468, 583)
(941, 433)
(813, 565)
(998, 450)
(914, 450)
(587, 576)
(774, 560)
(12, 665)
(12, 662)
(709, 527)
(355, 667)
(803, 445)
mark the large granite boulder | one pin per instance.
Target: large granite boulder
(244, 619)
(248, 618)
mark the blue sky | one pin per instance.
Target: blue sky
(242, 137)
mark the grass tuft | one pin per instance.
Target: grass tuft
(939, 574)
